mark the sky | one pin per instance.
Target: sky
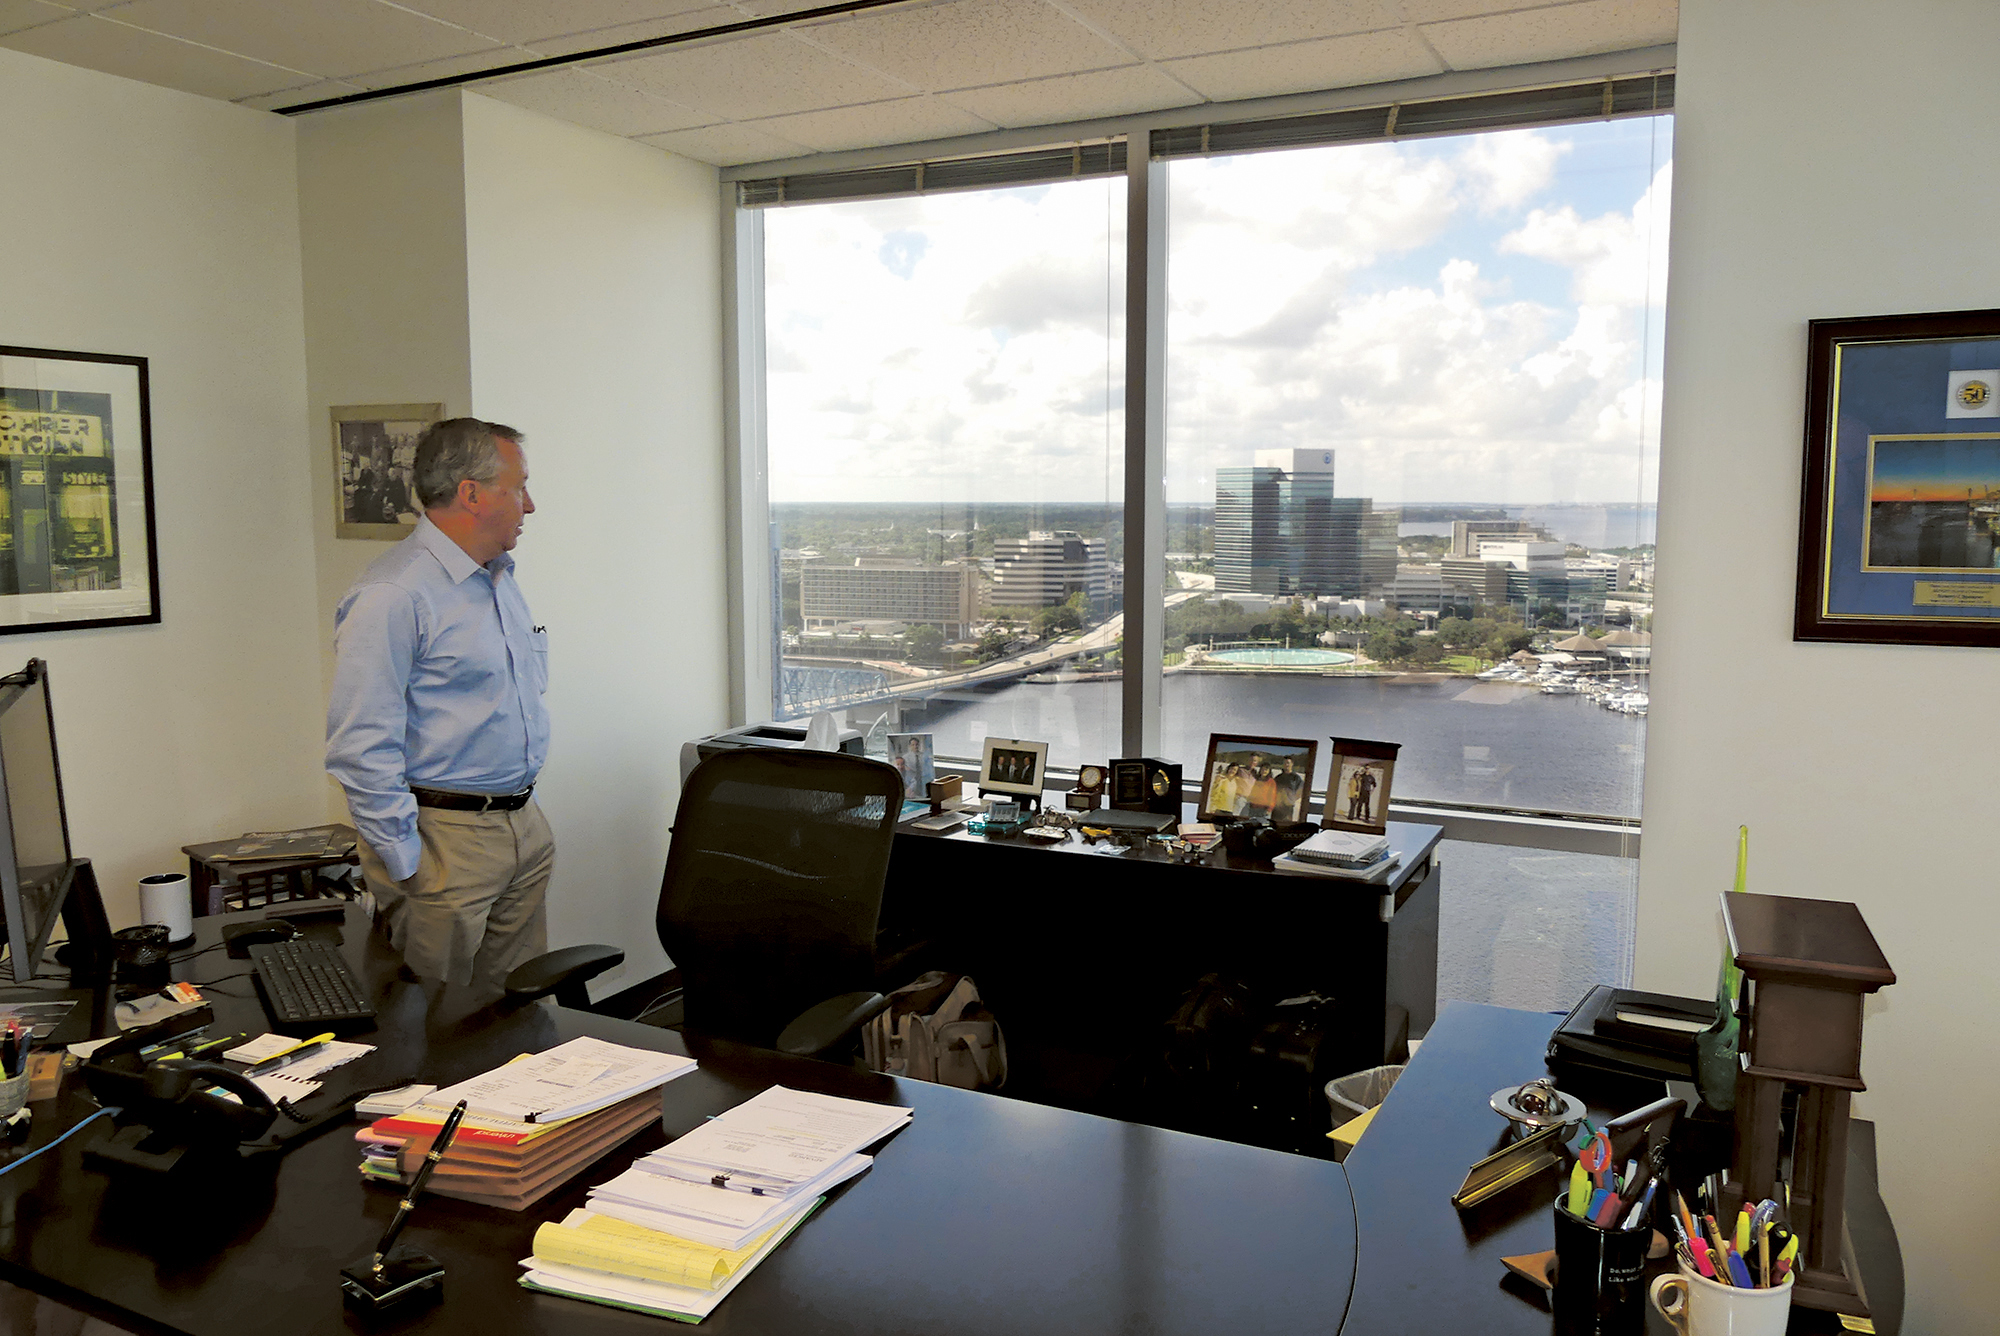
(1473, 318)
(1937, 469)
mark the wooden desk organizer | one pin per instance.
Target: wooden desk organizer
(1806, 965)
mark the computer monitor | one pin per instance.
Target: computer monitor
(36, 869)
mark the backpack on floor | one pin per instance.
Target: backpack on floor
(936, 1029)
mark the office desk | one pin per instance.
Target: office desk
(1083, 952)
(986, 1215)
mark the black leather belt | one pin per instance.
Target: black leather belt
(472, 802)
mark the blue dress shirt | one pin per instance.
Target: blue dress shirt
(438, 678)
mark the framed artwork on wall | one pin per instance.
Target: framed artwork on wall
(1899, 518)
(77, 546)
(374, 468)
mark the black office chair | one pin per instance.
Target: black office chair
(770, 902)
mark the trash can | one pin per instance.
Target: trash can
(1356, 1093)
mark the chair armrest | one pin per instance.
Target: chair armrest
(563, 973)
(832, 1021)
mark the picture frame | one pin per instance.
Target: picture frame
(1358, 786)
(78, 546)
(915, 758)
(1013, 765)
(374, 458)
(1899, 511)
(1257, 779)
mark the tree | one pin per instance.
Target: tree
(992, 645)
(925, 643)
(1456, 633)
(1057, 620)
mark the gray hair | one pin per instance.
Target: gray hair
(454, 450)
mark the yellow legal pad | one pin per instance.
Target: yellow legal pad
(621, 1248)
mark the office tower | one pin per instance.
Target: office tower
(1044, 569)
(1280, 530)
(877, 589)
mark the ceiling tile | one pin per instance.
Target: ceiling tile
(1162, 29)
(317, 91)
(751, 77)
(569, 43)
(586, 99)
(331, 37)
(1076, 97)
(968, 43)
(727, 145)
(1332, 62)
(905, 120)
(18, 14)
(1431, 11)
(491, 58)
(114, 48)
(534, 20)
(1551, 34)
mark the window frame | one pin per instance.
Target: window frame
(1437, 106)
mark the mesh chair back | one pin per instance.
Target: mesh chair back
(774, 885)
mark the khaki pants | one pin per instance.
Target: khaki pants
(474, 910)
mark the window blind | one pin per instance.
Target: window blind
(1595, 99)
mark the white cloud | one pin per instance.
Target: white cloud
(969, 347)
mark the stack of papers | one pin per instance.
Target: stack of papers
(672, 1234)
(529, 1126)
(1343, 848)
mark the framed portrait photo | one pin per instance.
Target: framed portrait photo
(1899, 519)
(77, 546)
(374, 468)
(1013, 765)
(915, 759)
(1357, 788)
(1257, 779)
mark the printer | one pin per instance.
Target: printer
(791, 736)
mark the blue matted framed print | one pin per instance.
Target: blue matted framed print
(1899, 524)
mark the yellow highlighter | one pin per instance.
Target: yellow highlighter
(285, 1057)
(1743, 1233)
(1579, 1190)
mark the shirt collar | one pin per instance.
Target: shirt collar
(457, 562)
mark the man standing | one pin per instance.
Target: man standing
(1291, 807)
(437, 729)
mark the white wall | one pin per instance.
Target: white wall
(381, 205)
(1823, 167)
(594, 294)
(170, 232)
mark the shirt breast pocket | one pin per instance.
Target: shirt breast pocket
(538, 661)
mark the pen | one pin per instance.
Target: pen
(409, 1202)
(305, 1048)
(1639, 1207)
(226, 1041)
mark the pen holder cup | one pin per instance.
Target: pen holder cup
(1696, 1306)
(1600, 1285)
(13, 1094)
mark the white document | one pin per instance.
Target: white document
(262, 1047)
(567, 1081)
(719, 1217)
(653, 1295)
(781, 1138)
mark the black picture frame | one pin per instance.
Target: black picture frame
(1900, 498)
(1230, 753)
(78, 546)
(1358, 783)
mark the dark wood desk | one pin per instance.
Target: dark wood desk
(986, 1215)
(1421, 1265)
(1084, 951)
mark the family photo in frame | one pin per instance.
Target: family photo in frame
(1013, 765)
(1357, 791)
(1257, 779)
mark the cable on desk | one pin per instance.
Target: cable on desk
(220, 945)
(16, 1164)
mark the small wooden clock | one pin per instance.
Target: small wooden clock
(1089, 790)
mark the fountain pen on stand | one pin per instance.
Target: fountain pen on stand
(389, 1277)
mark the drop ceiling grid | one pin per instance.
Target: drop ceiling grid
(907, 73)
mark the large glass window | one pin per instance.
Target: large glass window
(1412, 446)
(945, 444)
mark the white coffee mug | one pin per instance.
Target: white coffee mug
(1698, 1306)
(163, 899)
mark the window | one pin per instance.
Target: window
(946, 447)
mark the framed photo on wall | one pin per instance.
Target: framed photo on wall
(77, 546)
(1257, 779)
(374, 468)
(1013, 765)
(1899, 519)
(1357, 787)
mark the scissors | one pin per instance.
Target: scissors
(1596, 1158)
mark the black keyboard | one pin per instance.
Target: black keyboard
(308, 988)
